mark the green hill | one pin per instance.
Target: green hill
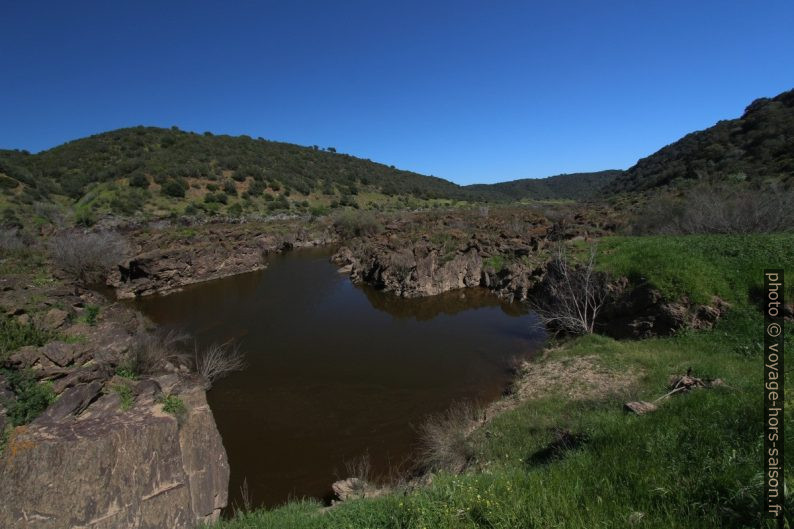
(160, 172)
(757, 148)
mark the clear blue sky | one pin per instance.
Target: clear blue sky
(472, 91)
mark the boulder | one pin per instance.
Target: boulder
(55, 318)
(350, 488)
(60, 353)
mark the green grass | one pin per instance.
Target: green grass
(497, 262)
(699, 266)
(126, 395)
(694, 463)
(173, 405)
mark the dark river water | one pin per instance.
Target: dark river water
(336, 371)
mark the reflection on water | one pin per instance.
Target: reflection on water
(336, 371)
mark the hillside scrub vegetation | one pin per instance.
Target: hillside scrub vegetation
(756, 147)
(718, 209)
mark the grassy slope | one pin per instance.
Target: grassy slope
(693, 463)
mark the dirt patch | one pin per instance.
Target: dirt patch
(576, 378)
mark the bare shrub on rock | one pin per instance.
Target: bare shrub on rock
(88, 257)
(217, 361)
(151, 353)
(572, 294)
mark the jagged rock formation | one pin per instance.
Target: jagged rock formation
(92, 458)
(424, 256)
(640, 311)
(166, 262)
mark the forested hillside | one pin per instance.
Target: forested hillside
(757, 147)
(575, 186)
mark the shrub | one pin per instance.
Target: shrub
(571, 294)
(217, 361)
(14, 335)
(235, 210)
(88, 257)
(174, 188)
(150, 352)
(718, 210)
(356, 224)
(139, 180)
(444, 439)
(256, 188)
(11, 240)
(32, 398)
(84, 216)
(229, 188)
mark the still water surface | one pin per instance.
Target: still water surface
(336, 371)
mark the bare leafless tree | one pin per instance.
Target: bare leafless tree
(88, 257)
(217, 361)
(571, 294)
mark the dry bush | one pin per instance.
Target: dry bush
(444, 439)
(571, 295)
(719, 210)
(11, 240)
(217, 361)
(88, 257)
(50, 212)
(150, 353)
(360, 467)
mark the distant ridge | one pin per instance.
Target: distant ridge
(573, 186)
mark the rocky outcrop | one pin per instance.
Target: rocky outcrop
(108, 468)
(166, 262)
(641, 311)
(88, 460)
(506, 257)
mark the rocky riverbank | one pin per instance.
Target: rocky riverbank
(508, 251)
(164, 259)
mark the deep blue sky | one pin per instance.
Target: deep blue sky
(472, 91)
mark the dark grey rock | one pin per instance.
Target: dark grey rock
(71, 402)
